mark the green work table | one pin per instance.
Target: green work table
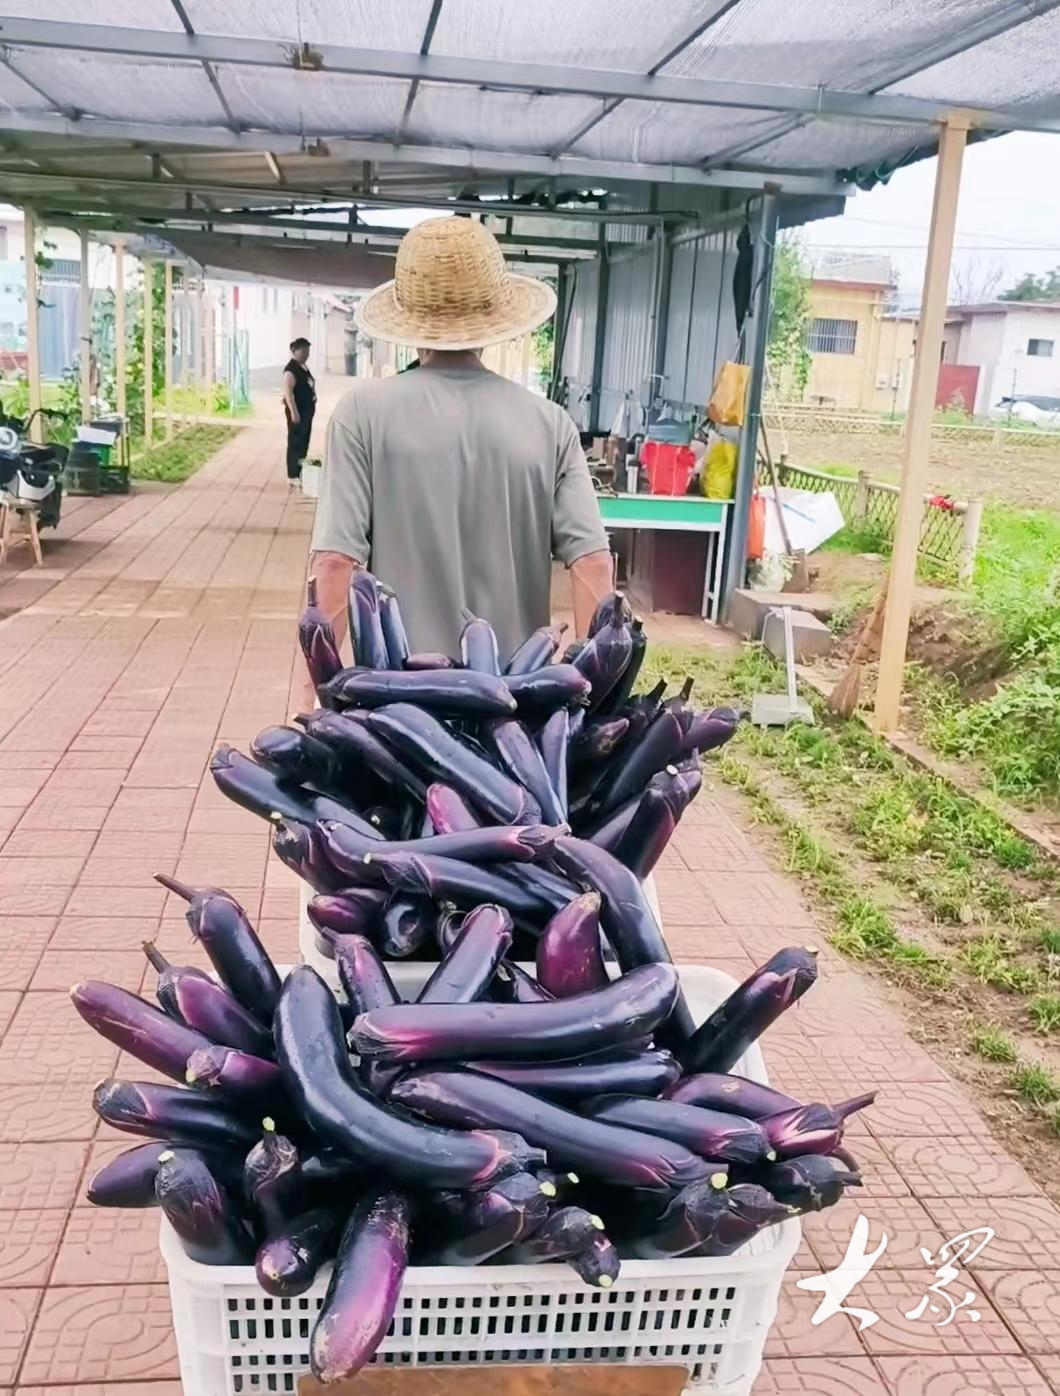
(677, 513)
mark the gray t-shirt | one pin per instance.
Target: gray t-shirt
(457, 487)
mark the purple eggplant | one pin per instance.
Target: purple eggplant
(689, 1220)
(448, 811)
(417, 663)
(811, 1129)
(607, 831)
(726, 1035)
(569, 957)
(514, 748)
(232, 944)
(644, 839)
(621, 1073)
(553, 741)
(573, 650)
(254, 788)
(364, 1289)
(354, 911)
(478, 646)
(619, 695)
(200, 1211)
(489, 1222)
(709, 1133)
(465, 973)
(552, 891)
(625, 1157)
(406, 926)
(138, 1027)
(597, 740)
(366, 627)
(447, 879)
(171, 1112)
(448, 925)
(433, 749)
(628, 921)
(460, 693)
(273, 1180)
(598, 1264)
(627, 1008)
(168, 977)
(349, 738)
(295, 756)
(511, 843)
(395, 639)
(512, 984)
(287, 1263)
(612, 609)
(345, 1116)
(554, 686)
(210, 1009)
(708, 731)
(303, 848)
(129, 1179)
(536, 651)
(809, 1183)
(639, 760)
(363, 975)
(735, 1094)
(749, 1210)
(567, 1231)
(244, 1080)
(317, 639)
(642, 711)
(605, 658)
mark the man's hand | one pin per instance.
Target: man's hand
(296, 419)
(332, 572)
(591, 580)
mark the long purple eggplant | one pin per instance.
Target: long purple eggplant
(447, 879)
(354, 911)
(366, 627)
(625, 1157)
(254, 788)
(210, 1009)
(287, 1263)
(627, 1008)
(710, 730)
(623, 1073)
(491, 1221)
(364, 1289)
(554, 686)
(448, 926)
(406, 926)
(642, 710)
(129, 1179)
(417, 663)
(448, 811)
(638, 762)
(461, 693)
(644, 839)
(809, 1183)
(550, 889)
(619, 695)
(464, 974)
(605, 658)
(303, 849)
(736, 1094)
(344, 1115)
(433, 749)
(363, 976)
(612, 609)
(273, 1180)
(597, 740)
(598, 1264)
(628, 921)
(516, 751)
(553, 741)
(168, 977)
(246, 1081)
(317, 639)
(567, 1231)
(295, 756)
(688, 1221)
(511, 843)
(536, 651)
(478, 646)
(512, 984)
(138, 1027)
(200, 1211)
(569, 957)
(811, 1129)
(352, 742)
(393, 626)
(709, 1133)
(173, 1113)
(750, 1209)
(231, 942)
(726, 1035)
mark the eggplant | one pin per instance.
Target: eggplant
(536, 651)
(710, 730)
(395, 638)
(317, 639)
(273, 1179)
(627, 1008)
(597, 740)
(689, 1220)
(129, 1179)
(598, 1264)
(200, 1211)
(735, 1094)
(553, 741)
(478, 646)
(567, 1231)
(254, 788)
(304, 849)
(232, 944)
(244, 1080)
(573, 650)
(569, 957)
(514, 748)
(448, 811)
(295, 756)
(612, 609)
(345, 1116)
(448, 925)
(497, 844)
(811, 1129)
(353, 743)
(168, 975)
(354, 911)
(171, 1112)
(628, 921)
(642, 710)
(447, 879)
(512, 984)
(640, 759)
(363, 976)
(492, 1221)
(604, 659)
(619, 695)
(425, 661)
(561, 1183)
(750, 1209)
(726, 1035)
(210, 1009)
(709, 1133)
(434, 750)
(644, 839)
(554, 686)
(406, 926)
(809, 1183)
(465, 973)
(625, 1157)
(551, 891)
(138, 1027)
(364, 1289)
(366, 627)
(459, 693)
(287, 1263)
(621, 1073)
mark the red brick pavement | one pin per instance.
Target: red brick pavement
(161, 625)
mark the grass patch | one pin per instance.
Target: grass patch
(993, 1045)
(1035, 1084)
(1044, 1012)
(867, 537)
(176, 460)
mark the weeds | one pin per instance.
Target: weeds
(1034, 1083)
(992, 1045)
(1044, 1012)
(175, 460)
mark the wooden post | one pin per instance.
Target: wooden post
(84, 318)
(200, 346)
(917, 440)
(149, 354)
(36, 430)
(861, 497)
(119, 326)
(167, 347)
(973, 518)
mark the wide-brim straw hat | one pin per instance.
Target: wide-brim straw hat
(452, 291)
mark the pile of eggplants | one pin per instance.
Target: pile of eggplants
(546, 1096)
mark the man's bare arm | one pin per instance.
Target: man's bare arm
(288, 395)
(591, 580)
(332, 572)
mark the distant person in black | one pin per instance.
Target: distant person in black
(299, 404)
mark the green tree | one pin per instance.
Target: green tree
(789, 358)
(1035, 288)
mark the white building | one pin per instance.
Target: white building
(1014, 344)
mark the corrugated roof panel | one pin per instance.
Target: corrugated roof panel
(628, 345)
(526, 121)
(125, 89)
(357, 22)
(314, 103)
(146, 14)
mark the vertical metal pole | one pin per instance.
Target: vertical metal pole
(600, 336)
(36, 431)
(149, 353)
(167, 346)
(200, 343)
(84, 317)
(918, 425)
(762, 284)
(559, 332)
(664, 269)
(119, 326)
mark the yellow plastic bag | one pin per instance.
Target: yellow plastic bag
(719, 471)
(726, 405)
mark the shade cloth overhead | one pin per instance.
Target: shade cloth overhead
(319, 265)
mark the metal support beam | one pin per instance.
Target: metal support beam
(84, 326)
(414, 86)
(207, 67)
(119, 327)
(71, 113)
(603, 287)
(149, 353)
(762, 283)
(167, 346)
(36, 430)
(559, 333)
(917, 441)
(661, 309)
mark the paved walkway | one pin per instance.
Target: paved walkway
(164, 627)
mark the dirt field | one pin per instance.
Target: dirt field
(1025, 477)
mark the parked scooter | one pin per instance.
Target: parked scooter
(31, 472)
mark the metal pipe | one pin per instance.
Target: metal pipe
(149, 353)
(167, 347)
(603, 285)
(662, 304)
(36, 430)
(84, 320)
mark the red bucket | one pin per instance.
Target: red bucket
(669, 467)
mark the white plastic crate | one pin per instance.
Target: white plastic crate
(711, 1315)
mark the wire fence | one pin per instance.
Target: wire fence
(785, 417)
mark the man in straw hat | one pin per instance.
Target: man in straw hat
(456, 486)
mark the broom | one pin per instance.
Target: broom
(843, 699)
